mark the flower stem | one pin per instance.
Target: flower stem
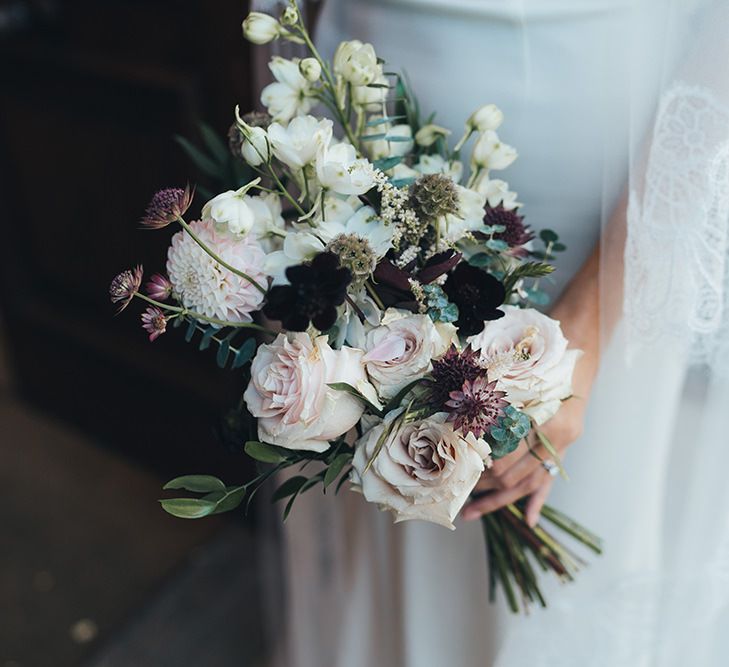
(203, 318)
(375, 296)
(217, 258)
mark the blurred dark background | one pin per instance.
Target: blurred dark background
(94, 418)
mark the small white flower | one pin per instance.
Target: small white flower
(298, 247)
(371, 98)
(290, 95)
(298, 144)
(469, 218)
(260, 28)
(356, 63)
(231, 210)
(363, 223)
(490, 153)
(339, 169)
(429, 134)
(488, 117)
(290, 16)
(397, 142)
(254, 148)
(268, 223)
(310, 69)
(497, 192)
(436, 164)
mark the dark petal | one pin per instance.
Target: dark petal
(492, 314)
(299, 273)
(437, 265)
(325, 319)
(386, 272)
(279, 301)
(469, 325)
(295, 321)
(495, 289)
(325, 261)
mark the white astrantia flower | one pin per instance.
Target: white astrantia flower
(422, 470)
(469, 218)
(356, 63)
(496, 191)
(205, 286)
(489, 152)
(526, 352)
(437, 164)
(487, 117)
(290, 95)
(340, 170)
(298, 144)
(402, 348)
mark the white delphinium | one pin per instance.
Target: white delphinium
(254, 148)
(356, 63)
(291, 94)
(298, 144)
(429, 134)
(489, 152)
(437, 164)
(340, 170)
(496, 191)
(205, 286)
(454, 227)
(310, 69)
(397, 142)
(485, 118)
(260, 28)
(230, 209)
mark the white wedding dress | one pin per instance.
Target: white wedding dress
(362, 591)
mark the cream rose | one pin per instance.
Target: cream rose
(425, 470)
(288, 391)
(527, 353)
(400, 350)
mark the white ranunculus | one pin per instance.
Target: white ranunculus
(298, 144)
(339, 169)
(469, 218)
(230, 209)
(402, 348)
(436, 164)
(254, 148)
(497, 192)
(356, 63)
(289, 394)
(527, 353)
(488, 117)
(490, 153)
(310, 69)
(290, 95)
(425, 470)
(429, 134)
(260, 28)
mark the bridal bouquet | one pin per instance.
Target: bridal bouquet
(378, 297)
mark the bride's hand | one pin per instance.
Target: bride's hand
(521, 473)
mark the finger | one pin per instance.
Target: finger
(525, 466)
(497, 499)
(536, 501)
(501, 465)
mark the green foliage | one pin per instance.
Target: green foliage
(439, 308)
(526, 270)
(349, 389)
(509, 430)
(214, 502)
(265, 453)
(228, 354)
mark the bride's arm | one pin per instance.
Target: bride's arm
(578, 309)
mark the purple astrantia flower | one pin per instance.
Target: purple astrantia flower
(516, 233)
(125, 285)
(477, 406)
(154, 322)
(158, 287)
(166, 206)
(451, 371)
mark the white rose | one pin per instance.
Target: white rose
(401, 349)
(230, 209)
(527, 353)
(339, 169)
(490, 153)
(356, 63)
(254, 148)
(488, 117)
(291, 94)
(298, 144)
(260, 28)
(288, 391)
(425, 470)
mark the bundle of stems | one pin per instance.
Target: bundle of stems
(515, 550)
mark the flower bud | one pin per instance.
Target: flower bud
(310, 69)
(260, 28)
(290, 16)
(488, 117)
(429, 134)
(255, 147)
(490, 153)
(356, 63)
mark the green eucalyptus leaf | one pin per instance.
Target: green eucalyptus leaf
(548, 236)
(402, 182)
(263, 452)
(191, 328)
(559, 247)
(196, 483)
(386, 163)
(206, 338)
(382, 121)
(372, 137)
(223, 350)
(245, 353)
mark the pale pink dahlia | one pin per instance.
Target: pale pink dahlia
(205, 286)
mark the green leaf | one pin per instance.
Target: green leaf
(348, 388)
(342, 480)
(206, 338)
(395, 138)
(372, 137)
(191, 328)
(198, 158)
(548, 236)
(382, 121)
(497, 244)
(263, 452)
(196, 483)
(291, 485)
(480, 260)
(223, 350)
(245, 353)
(214, 143)
(402, 182)
(386, 163)
(378, 85)
(559, 247)
(335, 467)
(537, 296)
(188, 508)
(547, 444)
(397, 398)
(232, 498)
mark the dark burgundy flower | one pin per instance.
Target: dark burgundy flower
(166, 206)
(125, 286)
(477, 295)
(154, 322)
(516, 234)
(158, 287)
(315, 291)
(476, 406)
(451, 371)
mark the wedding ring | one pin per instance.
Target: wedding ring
(551, 467)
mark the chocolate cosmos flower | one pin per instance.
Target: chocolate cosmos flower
(315, 291)
(477, 295)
